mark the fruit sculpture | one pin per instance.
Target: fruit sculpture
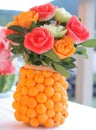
(47, 37)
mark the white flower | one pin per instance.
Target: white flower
(62, 15)
(58, 31)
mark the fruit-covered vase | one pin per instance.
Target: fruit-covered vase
(40, 98)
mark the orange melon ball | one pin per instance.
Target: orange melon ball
(30, 83)
(34, 122)
(23, 109)
(41, 108)
(64, 99)
(41, 98)
(57, 86)
(49, 81)
(16, 105)
(50, 112)
(31, 113)
(57, 117)
(49, 123)
(32, 102)
(56, 97)
(25, 119)
(17, 115)
(49, 91)
(57, 123)
(24, 91)
(56, 76)
(24, 100)
(33, 91)
(42, 118)
(47, 74)
(17, 96)
(22, 82)
(49, 103)
(40, 87)
(30, 73)
(39, 78)
(58, 106)
(23, 72)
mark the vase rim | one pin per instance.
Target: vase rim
(30, 66)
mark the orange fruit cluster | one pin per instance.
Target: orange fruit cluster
(40, 98)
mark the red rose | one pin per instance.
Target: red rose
(77, 30)
(46, 11)
(39, 40)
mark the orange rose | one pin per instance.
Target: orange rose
(64, 47)
(25, 19)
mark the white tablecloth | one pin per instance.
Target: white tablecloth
(80, 117)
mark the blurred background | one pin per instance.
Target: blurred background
(82, 83)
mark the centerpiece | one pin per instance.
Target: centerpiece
(47, 37)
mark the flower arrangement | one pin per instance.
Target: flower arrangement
(7, 69)
(47, 35)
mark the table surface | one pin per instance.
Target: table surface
(80, 117)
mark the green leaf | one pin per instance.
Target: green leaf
(16, 28)
(68, 65)
(89, 43)
(60, 69)
(45, 60)
(16, 38)
(69, 59)
(37, 62)
(82, 51)
(51, 54)
(33, 25)
(17, 49)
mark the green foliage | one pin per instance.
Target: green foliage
(89, 43)
(16, 38)
(17, 29)
(81, 51)
(52, 55)
(68, 63)
(60, 69)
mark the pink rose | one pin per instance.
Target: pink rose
(46, 11)
(39, 40)
(6, 65)
(77, 30)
